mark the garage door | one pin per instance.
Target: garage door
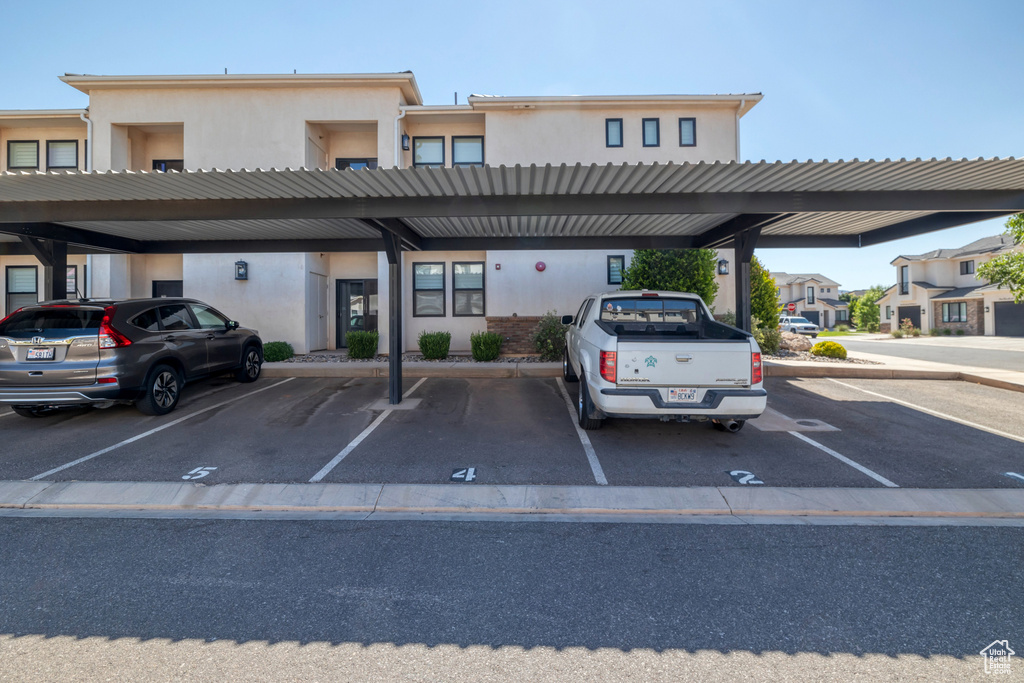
(1009, 319)
(912, 312)
(812, 316)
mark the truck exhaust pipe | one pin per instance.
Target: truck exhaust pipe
(731, 426)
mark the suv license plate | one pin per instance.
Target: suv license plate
(682, 395)
(40, 354)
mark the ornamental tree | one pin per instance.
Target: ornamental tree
(673, 270)
(1008, 270)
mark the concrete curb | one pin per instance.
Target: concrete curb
(454, 501)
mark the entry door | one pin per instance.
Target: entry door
(356, 307)
(912, 312)
(316, 312)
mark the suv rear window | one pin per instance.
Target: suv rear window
(52, 323)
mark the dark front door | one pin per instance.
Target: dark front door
(1009, 319)
(912, 312)
(357, 308)
(167, 288)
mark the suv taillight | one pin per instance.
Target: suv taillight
(756, 373)
(109, 337)
(608, 366)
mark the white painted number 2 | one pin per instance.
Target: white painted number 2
(744, 477)
(199, 472)
(467, 474)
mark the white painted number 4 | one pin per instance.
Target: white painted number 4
(199, 472)
(466, 474)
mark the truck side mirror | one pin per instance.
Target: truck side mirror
(567, 320)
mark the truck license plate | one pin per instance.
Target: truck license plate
(682, 395)
(40, 354)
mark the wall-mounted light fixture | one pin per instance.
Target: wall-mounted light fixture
(241, 270)
(723, 267)
(923, 312)
(405, 141)
(986, 309)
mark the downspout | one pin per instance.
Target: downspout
(88, 141)
(738, 110)
(398, 136)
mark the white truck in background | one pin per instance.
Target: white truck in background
(648, 354)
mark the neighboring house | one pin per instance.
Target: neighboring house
(816, 298)
(355, 122)
(941, 290)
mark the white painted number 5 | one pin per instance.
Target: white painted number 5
(199, 472)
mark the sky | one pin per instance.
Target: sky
(864, 79)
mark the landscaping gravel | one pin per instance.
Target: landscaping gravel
(783, 354)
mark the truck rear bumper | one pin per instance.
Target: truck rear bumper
(735, 404)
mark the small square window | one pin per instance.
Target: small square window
(688, 132)
(967, 267)
(168, 165)
(62, 154)
(428, 290)
(613, 132)
(616, 264)
(652, 132)
(467, 150)
(428, 152)
(22, 154)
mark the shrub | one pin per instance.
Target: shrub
(274, 352)
(872, 327)
(947, 331)
(729, 318)
(842, 328)
(549, 338)
(769, 339)
(485, 345)
(897, 334)
(907, 326)
(829, 349)
(935, 332)
(959, 333)
(916, 332)
(362, 344)
(434, 345)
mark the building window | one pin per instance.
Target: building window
(613, 132)
(22, 154)
(616, 264)
(61, 154)
(468, 288)
(888, 312)
(168, 165)
(810, 295)
(75, 287)
(954, 313)
(355, 164)
(467, 150)
(904, 279)
(428, 290)
(652, 132)
(842, 315)
(428, 152)
(688, 132)
(21, 287)
(967, 267)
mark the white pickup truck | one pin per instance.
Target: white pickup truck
(661, 355)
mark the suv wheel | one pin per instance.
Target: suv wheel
(162, 391)
(249, 370)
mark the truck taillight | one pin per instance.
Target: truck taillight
(109, 337)
(756, 374)
(608, 366)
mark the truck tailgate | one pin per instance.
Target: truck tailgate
(715, 363)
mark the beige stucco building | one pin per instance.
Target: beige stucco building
(353, 123)
(815, 296)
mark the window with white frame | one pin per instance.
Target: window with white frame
(22, 154)
(21, 287)
(428, 152)
(61, 154)
(467, 150)
(468, 289)
(688, 132)
(652, 132)
(955, 312)
(967, 267)
(428, 291)
(613, 132)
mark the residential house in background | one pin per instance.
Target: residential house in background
(816, 298)
(940, 289)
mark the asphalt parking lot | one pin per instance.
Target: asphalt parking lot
(817, 433)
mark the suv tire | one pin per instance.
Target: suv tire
(161, 391)
(249, 370)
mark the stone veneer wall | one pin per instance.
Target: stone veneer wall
(975, 317)
(885, 327)
(517, 331)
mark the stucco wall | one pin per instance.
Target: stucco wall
(144, 268)
(460, 327)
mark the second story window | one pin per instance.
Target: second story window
(467, 150)
(428, 152)
(810, 295)
(355, 164)
(688, 132)
(904, 279)
(168, 165)
(22, 154)
(616, 264)
(652, 132)
(967, 267)
(61, 154)
(613, 132)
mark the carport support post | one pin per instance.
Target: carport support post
(54, 257)
(743, 244)
(393, 247)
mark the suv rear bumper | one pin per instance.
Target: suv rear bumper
(61, 396)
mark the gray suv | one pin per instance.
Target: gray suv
(57, 354)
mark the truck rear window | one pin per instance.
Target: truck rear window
(650, 311)
(52, 323)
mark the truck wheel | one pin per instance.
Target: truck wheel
(567, 373)
(584, 407)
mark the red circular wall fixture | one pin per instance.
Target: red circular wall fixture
(540, 266)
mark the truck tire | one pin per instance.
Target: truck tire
(567, 372)
(584, 407)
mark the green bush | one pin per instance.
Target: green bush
(362, 344)
(935, 332)
(842, 328)
(549, 338)
(485, 345)
(960, 333)
(434, 345)
(915, 332)
(768, 338)
(947, 331)
(274, 352)
(897, 334)
(872, 327)
(729, 318)
(829, 349)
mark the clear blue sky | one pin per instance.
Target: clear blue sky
(841, 80)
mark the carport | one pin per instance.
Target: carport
(742, 205)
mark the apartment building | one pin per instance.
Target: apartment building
(940, 289)
(355, 123)
(816, 297)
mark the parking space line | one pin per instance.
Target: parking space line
(153, 431)
(857, 466)
(935, 413)
(336, 460)
(595, 465)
